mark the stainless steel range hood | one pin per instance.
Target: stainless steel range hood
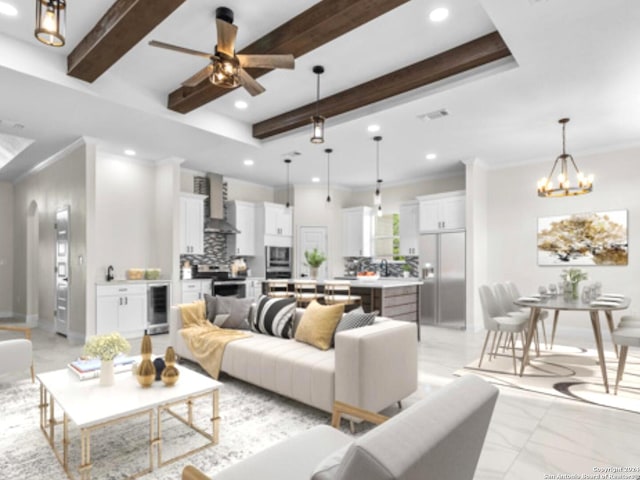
(216, 222)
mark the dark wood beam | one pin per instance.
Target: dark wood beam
(460, 59)
(314, 27)
(123, 26)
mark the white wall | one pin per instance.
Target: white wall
(248, 191)
(58, 184)
(6, 249)
(513, 209)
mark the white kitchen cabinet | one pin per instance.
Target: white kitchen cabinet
(409, 228)
(357, 232)
(242, 215)
(440, 212)
(278, 224)
(254, 287)
(121, 308)
(192, 223)
(194, 290)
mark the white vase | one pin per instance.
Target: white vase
(313, 272)
(107, 376)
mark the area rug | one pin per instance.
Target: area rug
(566, 372)
(251, 420)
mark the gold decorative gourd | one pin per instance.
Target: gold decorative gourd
(146, 373)
(170, 373)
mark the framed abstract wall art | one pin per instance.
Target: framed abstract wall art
(598, 238)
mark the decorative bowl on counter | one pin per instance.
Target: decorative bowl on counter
(152, 273)
(135, 274)
(368, 276)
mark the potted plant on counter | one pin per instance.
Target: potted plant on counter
(314, 259)
(406, 270)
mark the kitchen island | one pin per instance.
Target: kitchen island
(397, 298)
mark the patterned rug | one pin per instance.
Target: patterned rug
(566, 372)
(252, 420)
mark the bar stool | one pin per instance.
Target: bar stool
(278, 289)
(306, 290)
(339, 291)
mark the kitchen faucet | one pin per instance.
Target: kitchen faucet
(384, 264)
(110, 273)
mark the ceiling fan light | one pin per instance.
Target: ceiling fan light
(51, 18)
(318, 129)
(225, 71)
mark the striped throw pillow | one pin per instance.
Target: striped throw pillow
(274, 316)
(356, 319)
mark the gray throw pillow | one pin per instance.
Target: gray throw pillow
(327, 468)
(210, 304)
(354, 319)
(237, 309)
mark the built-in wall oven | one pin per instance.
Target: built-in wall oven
(278, 262)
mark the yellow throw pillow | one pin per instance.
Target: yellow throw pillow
(193, 313)
(318, 323)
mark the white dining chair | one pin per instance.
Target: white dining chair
(503, 297)
(629, 321)
(625, 337)
(544, 314)
(496, 322)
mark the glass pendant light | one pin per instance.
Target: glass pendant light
(287, 162)
(318, 120)
(51, 19)
(328, 152)
(377, 196)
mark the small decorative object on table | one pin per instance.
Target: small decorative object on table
(146, 370)
(106, 348)
(572, 278)
(170, 373)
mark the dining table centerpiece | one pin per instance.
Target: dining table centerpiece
(106, 348)
(572, 278)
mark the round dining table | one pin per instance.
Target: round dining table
(559, 303)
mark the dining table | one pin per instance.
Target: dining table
(605, 304)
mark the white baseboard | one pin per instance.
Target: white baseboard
(6, 314)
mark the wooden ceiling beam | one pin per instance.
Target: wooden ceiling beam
(460, 59)
(120, 28)
(311, 29)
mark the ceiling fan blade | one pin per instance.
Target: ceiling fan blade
(226, 37)
(267, 61)
(248, 82)
(199, 77)
(175, 48)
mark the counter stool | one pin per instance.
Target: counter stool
(306, 290)
(339, 291)
(625, 337)
(278, 289)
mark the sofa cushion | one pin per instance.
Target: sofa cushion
(210, 304)
(274, 316)
(327, 468)
(237, 310)
(318, 324)
(354, 319)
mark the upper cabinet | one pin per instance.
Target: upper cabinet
(445, 211)
(242, 215)
(357, 232)
(409, 233)
(192, 223)
(278, 224)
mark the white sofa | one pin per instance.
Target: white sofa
(370, 367)
(440, 437)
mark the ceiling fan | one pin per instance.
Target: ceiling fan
(226, 68)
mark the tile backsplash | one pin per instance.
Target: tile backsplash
(396, 269)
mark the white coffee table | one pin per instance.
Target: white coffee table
(91, 406)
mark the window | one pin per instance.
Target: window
(387, 237)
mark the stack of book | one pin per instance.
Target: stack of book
(90, 368)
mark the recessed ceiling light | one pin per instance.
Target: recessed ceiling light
(8, 10)
(248, 162)
(438, 14)
(241, 104)
(373, 128)
(431, 156)
(129, 152)
(315, 179)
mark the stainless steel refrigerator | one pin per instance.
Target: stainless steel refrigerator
(443, 297)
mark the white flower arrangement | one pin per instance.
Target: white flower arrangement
(106, 347)
(573, 275)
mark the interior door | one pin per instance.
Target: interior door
(62, 274)
(310, 238)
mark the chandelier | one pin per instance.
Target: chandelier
(584, 183)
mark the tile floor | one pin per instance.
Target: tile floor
(531, 436)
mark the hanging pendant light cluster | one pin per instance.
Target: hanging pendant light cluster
(328, 152)
(584, 183)
(287, 162)
(377, 196)
(51, 19)
(318, 120)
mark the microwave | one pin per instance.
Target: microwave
(278, 258)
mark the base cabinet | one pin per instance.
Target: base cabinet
(194, 290)
(254, 287)
(121, 308)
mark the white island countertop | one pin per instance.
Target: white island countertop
(383, 282)
(132, 282)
